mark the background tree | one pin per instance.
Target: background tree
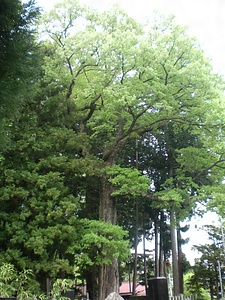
(18, 55)
(193, 286)
(207, 268)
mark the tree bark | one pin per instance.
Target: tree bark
(92, 282)
(176, 282)
(135, 250)
(107, 205)
(108, 279)
(108, 274)
(180, 262)
(136, 233)
(162, 272)
(156, 248)
(91, 211)
(145, 261)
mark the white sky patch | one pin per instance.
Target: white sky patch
(197, 234)
(204, 18)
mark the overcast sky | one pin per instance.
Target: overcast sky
(204, 18)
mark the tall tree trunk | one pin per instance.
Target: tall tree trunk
(136, 230)
(48, 286)
(173, 233)
(211, 283)
(176, 282)
(135, 250)
(91, 212)
(107, 204)
(161, 248)
(108, 274)
(108, 279)
(92, 282)
(145, 261)
(156, 248)
(180, 262)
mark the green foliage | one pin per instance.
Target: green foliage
(60, 286)
(18, 55)
(100, 243)
(206, 269)
(216, 202)
(194, 287)
(25, 287)
(127, 181)
(21, 283)
(38, 200)
(106, 81)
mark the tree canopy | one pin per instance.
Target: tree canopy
(106, 82)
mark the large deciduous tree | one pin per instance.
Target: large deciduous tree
(116, 81)
(106, 81)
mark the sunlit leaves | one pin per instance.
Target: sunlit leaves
(20, 283)
(127, 181)
(100, 243)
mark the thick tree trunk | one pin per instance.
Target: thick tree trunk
(176, 281)
(107, 205)
(108, 279)
(91, 211)
(108, 274)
